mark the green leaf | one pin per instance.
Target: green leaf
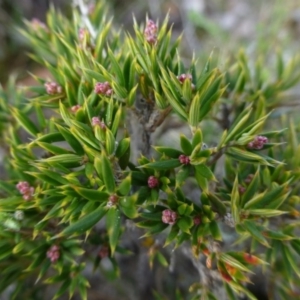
(25, 122)
(125, 186)
(85, 223)
(186, 146)
(265, 213)
(113, 225)
(197, 138)
(235, 201)
(72, 141)
(185, 223)
(251, 189)
(172, 235)
(110, 142)
(107, 173)
(205, 172)
(217, 204)
(91, 194)
(215, 230)
(162, 164)
(123, 146)
(256, 232)
(170, 152)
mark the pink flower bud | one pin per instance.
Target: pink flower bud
(96, 121)
(241, 189)
(197, 220)
(53, 253)
(25, 189)
(249, 178)
(152, 182)
(185, 160)
(103, 252)
(52, 88)
(258, 142)
(169, 217)
(103, 88)
(75, 108)
(183, 77)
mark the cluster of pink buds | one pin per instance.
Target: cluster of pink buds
(52, 88)
(183, 77)
(169, 217)
(152, 182)
(258, 142)
(103, 88)
(150, 32)
(96, 122)
(197, 220)
(37, 24)
(25, 189)
(185, 160)
(74, 108)
(53, 253)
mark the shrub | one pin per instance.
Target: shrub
(83, 161)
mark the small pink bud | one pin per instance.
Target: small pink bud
(183, 77)
(112, 200)
(75, 108)
(152, 182)
(241, 189)
(82, 33)
(103, 252)
(185, 160)
(197, 220)
(249, 178)
(169, 217)
(52, 88)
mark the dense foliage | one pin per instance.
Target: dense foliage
(81, 149)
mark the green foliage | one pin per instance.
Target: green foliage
(87, 173)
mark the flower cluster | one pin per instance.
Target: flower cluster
(183, 77)
(25, 189)
(185, 160)
(169, 217)
(150, 32)
(96, 122)
(52, 88)
(103, 88)
(258, 142)
(53, 253)
(152, 182)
